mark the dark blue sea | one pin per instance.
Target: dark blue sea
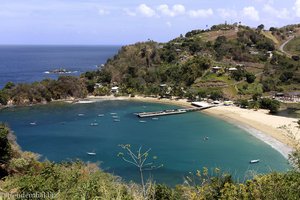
(25, 64)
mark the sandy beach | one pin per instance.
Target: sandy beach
(281, 133)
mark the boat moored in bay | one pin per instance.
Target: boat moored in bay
(254, 161)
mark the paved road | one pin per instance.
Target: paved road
(281, 48)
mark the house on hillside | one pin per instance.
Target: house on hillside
(232, 69)
(215, 69)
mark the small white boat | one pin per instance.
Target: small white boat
(100, 115)
(80, 114)
(117, 120)
(206, 138)
(154, 118)
(113, 113)
(91, 153)
(94, 124)
(254, 161)
(32, 123)
(142, 121)
(85, 101)
(115, 116)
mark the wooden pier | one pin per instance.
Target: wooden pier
(171, 112)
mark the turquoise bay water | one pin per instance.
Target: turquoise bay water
(177, 141)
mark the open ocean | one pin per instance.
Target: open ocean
(61, 131)
(26, 64)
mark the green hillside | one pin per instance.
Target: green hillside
(222, 60)
(293, 47)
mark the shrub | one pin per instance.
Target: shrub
(3, 98)
(250, 78)
(272, 105)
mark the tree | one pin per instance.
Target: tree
(90, 86)
(138, 160)
(296, 58)
(238, 75)
(3, 98)
(9, 85)
(272, 105)
(285, 76)
(5, 149)
(260, 27)
(256, 96)
(216, 94)
(244, 103)
(250, 78)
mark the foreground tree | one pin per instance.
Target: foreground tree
(139, 160)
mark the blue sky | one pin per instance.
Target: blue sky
(125, 22)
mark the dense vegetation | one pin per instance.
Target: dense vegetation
(44, 91)
(24, 174)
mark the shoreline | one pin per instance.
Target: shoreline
(273, 136)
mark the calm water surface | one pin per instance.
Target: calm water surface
(177, 141)
(23, 64)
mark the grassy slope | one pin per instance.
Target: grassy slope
(269, 35)
(293, 46)
(212, 35)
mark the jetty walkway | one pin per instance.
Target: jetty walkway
(171, 112)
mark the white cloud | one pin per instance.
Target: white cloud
(146, 10)
(297, 8)
(227, 13)
(102, 11)
(169, 24)
(129, 12)
(177, 9)
(201, 13)
(282, 14)
(251, 13)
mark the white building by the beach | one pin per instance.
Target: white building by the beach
(115, 89)
(232, 69)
